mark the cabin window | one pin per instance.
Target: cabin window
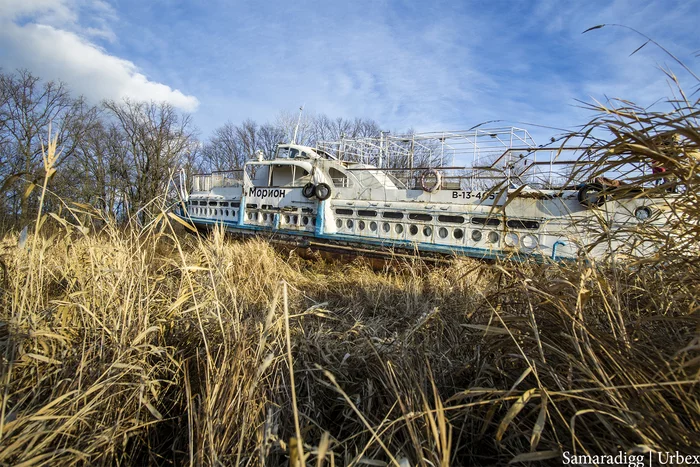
(451, 219)
(485, 221)
(259, 174)
(213, 203)
(224, 204)
(289, 175)
(392, 215)
(251, 206)
(344, 212)
(523, 224)
(367, 213)
(236, 205)
(339, 178)
(287, 153)
(420, 217)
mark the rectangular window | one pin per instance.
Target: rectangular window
(523, 224)
(367, 213)
(451, 219)
(392, 215)
(344, 212)
(420, 217)
(485, 221)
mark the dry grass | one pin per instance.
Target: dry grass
(126, 346)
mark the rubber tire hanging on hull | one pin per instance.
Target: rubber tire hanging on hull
(322, 191)
(308, 190)
(591, 195)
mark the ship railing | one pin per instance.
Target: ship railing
(552, 168)
(428, 149)
(228, 178)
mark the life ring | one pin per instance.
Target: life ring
(424, 183)
(322, 191)
(591, 195)
(308, 190)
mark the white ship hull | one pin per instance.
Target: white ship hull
(365, 208)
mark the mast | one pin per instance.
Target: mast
(296, 128)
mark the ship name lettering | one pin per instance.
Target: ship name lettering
(267, 192)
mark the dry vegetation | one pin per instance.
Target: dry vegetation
(136, 346)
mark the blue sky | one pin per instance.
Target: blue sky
(446, 65)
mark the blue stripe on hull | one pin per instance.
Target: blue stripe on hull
(480, 253)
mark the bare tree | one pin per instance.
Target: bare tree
(153, 143)
(28, 108)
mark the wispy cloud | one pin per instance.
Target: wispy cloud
(443, 65)
(49, 38)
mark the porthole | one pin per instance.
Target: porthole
(313, 221)
(349, 223)
(458, 234)
(413, 229)
(361, 225)
(493, 237)
(294, 219)
(443, 232)
(386, 227)
(286, 219)
(642, 213)
(529, 242)
(227, 213)
(398, 228)
(427, 231)
(476, 235)
(511, 239)
(339, 223)
(305, 220)
(373, 226)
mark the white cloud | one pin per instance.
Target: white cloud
(52, 47)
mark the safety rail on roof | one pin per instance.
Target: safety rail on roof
(473, 147)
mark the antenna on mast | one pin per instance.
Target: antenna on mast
(296, 128)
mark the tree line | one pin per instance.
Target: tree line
(118, 156)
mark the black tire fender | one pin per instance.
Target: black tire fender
(591, 195)
(322, 191)
(308, 190)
